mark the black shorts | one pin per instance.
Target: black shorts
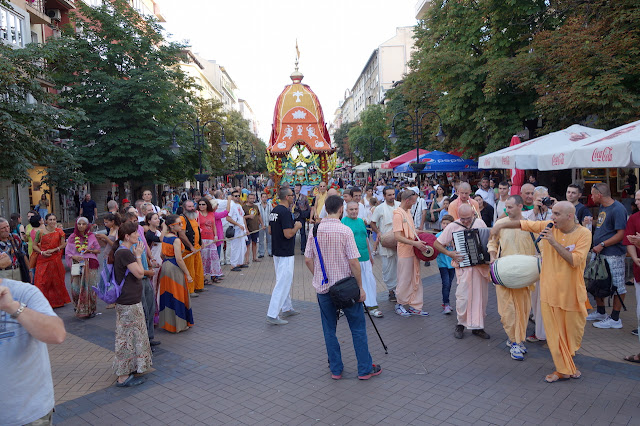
(253, 237)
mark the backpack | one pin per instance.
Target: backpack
(108, 289)
(597, 278)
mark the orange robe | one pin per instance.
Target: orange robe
(563, 296)
(194, 262)
(455, 205)
(514, 304)
(409, 289)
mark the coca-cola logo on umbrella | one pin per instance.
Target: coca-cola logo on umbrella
(602, 155)
(557, 159)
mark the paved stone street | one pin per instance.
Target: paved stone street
(233, 368)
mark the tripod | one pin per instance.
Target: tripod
(376, 328)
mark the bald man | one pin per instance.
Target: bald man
(472, 292)
(464, 198)
(563, 296)
(527, 192)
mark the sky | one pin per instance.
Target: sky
(255, 41)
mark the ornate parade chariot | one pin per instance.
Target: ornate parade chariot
(300, 149)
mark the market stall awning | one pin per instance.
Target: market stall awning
(400, 159)
(438, 161)
(364, 167)
(619, 147)
(525, 155)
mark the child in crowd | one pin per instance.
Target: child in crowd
(444, 212)
(447, 271)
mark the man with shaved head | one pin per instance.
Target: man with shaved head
(563, 296)
(464, 198)
(472, 293)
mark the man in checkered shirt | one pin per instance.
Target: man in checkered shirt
(340, 256)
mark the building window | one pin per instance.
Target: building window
(11, 27)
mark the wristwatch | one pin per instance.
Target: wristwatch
(19, 311)
(602, 244)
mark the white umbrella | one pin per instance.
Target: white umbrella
(619, 147)
(364, 167)
(525, 155)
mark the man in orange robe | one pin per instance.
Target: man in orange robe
(563, 294)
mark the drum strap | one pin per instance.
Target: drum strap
(534, 242)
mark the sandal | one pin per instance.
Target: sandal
(632, 358)
(207, 281)
(577, 375)
(377, 313)
(556, 377)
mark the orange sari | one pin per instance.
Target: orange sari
(50, 272)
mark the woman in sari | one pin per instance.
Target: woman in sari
(175, 305)
(81, 255)
(207, 216)
(49, 269)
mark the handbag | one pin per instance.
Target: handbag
(345, 293)
(230, 232)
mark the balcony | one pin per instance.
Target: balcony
(61, 4)
(36, 9)
(421, 8)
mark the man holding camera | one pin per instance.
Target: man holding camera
(340, 256)
(301, 212)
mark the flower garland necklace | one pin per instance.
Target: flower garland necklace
(82, 243)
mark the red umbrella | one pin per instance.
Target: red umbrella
(517, 175)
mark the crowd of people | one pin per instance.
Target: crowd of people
(166, 255)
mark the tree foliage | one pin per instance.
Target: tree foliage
(28, 119)
(369, 135)
(341, 139)
(116, 67)
(487, 67)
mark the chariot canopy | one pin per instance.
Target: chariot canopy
(300, 149)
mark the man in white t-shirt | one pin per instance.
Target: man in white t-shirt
(503, 195)
(146, 196)
(381, 223)
(27, 325)
(485, 191)
(419, 209)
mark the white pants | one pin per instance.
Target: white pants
(390, 271)
(237, 248)
(537, 313)
(368, 283)
(280, 298)
(224, 256)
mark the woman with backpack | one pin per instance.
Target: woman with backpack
(132, 349)
(81, 255)
(175, 305)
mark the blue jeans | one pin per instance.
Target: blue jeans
(358, 327)
(447, 275)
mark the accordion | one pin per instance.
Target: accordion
(472, 243)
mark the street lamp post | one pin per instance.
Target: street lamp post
(198, 141)
(416, 129)
(385, 151)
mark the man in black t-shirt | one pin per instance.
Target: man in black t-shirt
(89, 208)
(283, 231)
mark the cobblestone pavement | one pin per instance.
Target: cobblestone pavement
(233, 368)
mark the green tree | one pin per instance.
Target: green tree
(116, 66)
(462, 47)
(372, 125)
(29, 119)
(587, 69)
(341, 139)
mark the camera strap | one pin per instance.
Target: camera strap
(325, 280)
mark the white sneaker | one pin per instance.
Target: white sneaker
(516, 352)
(400, 310)
(595, 316)
(446, 310)
(608, 322)
(523, 348)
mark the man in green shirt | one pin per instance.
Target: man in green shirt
(366, 262)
